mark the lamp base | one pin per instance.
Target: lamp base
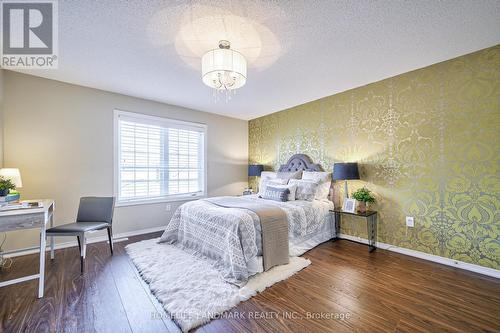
(248, 191)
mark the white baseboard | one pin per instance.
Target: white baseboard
(422, 255)
(431, 257)
(116, 237)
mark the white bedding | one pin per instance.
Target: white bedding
(231, 239)
(304, 223)
(301, 244)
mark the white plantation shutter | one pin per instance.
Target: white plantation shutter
(158, 158)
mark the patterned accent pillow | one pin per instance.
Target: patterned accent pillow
(291, 187)
(270, 181)
(306, 189)
(276, 193)
(324, 178)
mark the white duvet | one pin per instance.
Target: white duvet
(230, 237)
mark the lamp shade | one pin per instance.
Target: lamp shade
(255, 170)
(345, 171)
(224, 68)
(13, 174)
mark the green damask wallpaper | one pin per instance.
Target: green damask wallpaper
(428, 145)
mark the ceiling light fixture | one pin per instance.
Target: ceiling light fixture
(224, 69)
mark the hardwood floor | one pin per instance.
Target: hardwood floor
(378, 292)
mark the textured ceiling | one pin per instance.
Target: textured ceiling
(298, 51)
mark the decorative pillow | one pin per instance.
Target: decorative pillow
(270, 181)
(268, 174)
(275, 193)
(289, 175)
(323, 191)
(291, 187)
(306, 189)
(324, 178)
(319, 176)
(264, 177)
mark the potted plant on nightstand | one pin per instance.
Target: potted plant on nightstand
(363, 196)
(5, 186)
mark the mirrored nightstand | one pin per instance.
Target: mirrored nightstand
(371, 221)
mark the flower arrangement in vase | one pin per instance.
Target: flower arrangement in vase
(364, 197)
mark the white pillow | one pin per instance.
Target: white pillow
(289, 174)
(291, 187)
(324, 178)
(267, 174)
(320, 176)
(264, 177)
(306, 189)
(270, 181)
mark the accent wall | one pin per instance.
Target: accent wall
(428, 146)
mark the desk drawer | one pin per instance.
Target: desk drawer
(24, 221)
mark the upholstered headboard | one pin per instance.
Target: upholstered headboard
(300, 162)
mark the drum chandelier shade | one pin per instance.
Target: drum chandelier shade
(224, 68)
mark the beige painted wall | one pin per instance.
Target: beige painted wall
(60, 136)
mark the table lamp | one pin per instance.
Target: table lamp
(254, 170)
(13, 174)
(345, 172)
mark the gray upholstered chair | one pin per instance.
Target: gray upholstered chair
(94, 213)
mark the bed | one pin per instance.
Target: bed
(231, 239)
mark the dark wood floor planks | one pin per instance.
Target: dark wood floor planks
(139, 306)
(381, 292)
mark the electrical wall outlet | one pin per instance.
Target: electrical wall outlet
(168, 207)
(410, 221)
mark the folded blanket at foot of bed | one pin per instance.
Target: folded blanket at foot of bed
(274, 226)
(229, 238)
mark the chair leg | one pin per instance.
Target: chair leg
(83, 249)
(79, 244)
(52, 246)
(110, 237)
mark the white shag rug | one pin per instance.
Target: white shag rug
(190, 289)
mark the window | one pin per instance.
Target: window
(158, 159)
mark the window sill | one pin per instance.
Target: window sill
(157, 201)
